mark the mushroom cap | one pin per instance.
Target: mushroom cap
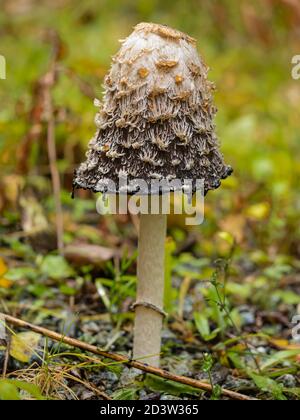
(156, 118)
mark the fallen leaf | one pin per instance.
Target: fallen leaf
(184, 288)
(279, 343)
(88, 254)
(56, 267)
(5, 283)
(3, 267)
(284, 344)
(24, 345)
(258, 211)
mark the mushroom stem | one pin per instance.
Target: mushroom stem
(150, 289)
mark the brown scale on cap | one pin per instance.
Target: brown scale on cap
(164, 31)
(156, 116)
(166, 64)
(143, 72)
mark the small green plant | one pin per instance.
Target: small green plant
(118, 285)
(207, 365)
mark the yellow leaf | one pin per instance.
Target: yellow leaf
(223, 243)
(258, 211)
(24, 345)
(5, 283)
(3, 267)
(226, 237)
(280, 343)
(284, 344)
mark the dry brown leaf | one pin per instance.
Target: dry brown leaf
(88, 254)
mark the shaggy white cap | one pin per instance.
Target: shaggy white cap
(156, 119)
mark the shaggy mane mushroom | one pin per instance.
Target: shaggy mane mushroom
(155, 122)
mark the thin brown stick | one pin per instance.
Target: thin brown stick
(122, 359)
(51, 78)
(42, 114)
(54, 172)
(94, 389)
(7, 354)
(84, 87)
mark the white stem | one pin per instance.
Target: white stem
(150, 289)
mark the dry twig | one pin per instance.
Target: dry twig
(122, 359)
(42, 114)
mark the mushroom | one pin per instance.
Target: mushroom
(155, 122)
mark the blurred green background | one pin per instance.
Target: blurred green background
(247, 44)
(252, 222)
